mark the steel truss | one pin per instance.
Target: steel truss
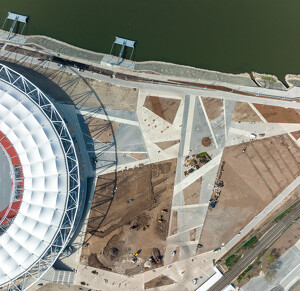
(62, 236)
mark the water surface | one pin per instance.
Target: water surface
(228, 36)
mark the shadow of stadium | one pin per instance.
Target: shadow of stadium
(50, 82)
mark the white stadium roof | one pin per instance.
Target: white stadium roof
(42, 227)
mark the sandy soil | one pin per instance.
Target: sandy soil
(206, 141)
(113, 244)
(296, 134)
(158, 282)
(278, 114)
(55, 287)
(251, 181)
(174, 227)
(138, 156)
(243, 112)
(213, 107)
(192, 193)
(86, 92)
(167, 144)
(165, 108)
(287, 240)
(101, 129)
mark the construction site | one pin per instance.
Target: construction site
(131, 238)
(179, 174)
(263, 166)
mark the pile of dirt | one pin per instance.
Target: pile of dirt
(206, 141)
(136, 222)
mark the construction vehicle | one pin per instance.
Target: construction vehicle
(152, 260)
(244, 149)
(145, 227)
(160, 219)
(134, 227)
(137, 253)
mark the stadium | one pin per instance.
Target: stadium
(40, 182)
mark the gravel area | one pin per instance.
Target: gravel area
(59, 47)
(292, 80)
(190, 72)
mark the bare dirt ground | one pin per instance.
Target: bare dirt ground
(113, 244)
(101, 129)
(174, 227)
(296, 134)
(192, 192)
(244, 113)
(165, 108)
(213, 107)
(87, 92)
(158, 282)
(138, 156)
(278, 114)
(55, 287)
(251, 181)
(206, 141)
(167, 144)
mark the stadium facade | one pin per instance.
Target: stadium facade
(42, 213)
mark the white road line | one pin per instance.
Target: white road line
(208, 122)
(111, 118)
(189, 126)
(257, 112)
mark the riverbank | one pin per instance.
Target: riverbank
(65, 50)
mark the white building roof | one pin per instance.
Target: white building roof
(211, 281)
(49, 181)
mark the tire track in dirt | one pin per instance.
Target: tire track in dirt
(269, 171)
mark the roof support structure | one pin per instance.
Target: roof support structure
(66, 226)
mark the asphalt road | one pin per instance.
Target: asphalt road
(250, 256)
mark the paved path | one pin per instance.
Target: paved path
(168, 90)
(179, 90)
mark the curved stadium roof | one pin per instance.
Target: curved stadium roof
(32, 240)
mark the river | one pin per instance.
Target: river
(228, 36)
